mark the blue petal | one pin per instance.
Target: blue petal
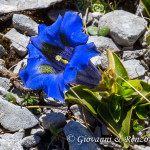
(72, 27)
(54, 86)
(89, 76)
(79, 60)
(48, 34)
(31, 71)
(34, 52)
(70, 73)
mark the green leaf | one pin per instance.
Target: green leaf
(137, 128)
(92, 30)
(53, 131)
(36, 111)
(147, 39)
(90, 98)
(128, 89)
(146, 4)
(120, 89)
(122, 128)
(114, 105)
(104, 31)
(142, 110)
(145, 88)
(111, 62)
(119, 68)
(10, 98)
(100, 6)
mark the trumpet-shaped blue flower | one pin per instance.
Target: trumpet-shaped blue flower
(59, 55)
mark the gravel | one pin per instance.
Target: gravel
(57, 120)
(17, 5)
(38, 131)
(30, 141)
(11, 141)
(78, 113)
(134, 68)
(22, 41)
(14, 117)
(125, 27)
(103, 43)
(75, 133)
(133, 54)
(25, 24)
(5, 83)
(96, 60)
(2, 51)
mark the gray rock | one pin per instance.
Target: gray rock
(57, 120)
(95, 22)
(103, 43)
(19, 41)
(2, 51)
(105, 131)
(30, 141)
(36, 148)
(140, 10)
(127, 48)
(38, 131)
(146, 79)
(142, 40)
(17, 5)
(96, 15)
(147, 121)
(147, 57)
(111, 144)
(5, 83)
(20, 65)
(125, 28)
(60, 109)
(18, 92)
(11, 141)
(78, 111)
(58, 106)
(52, 101)
(4, 92)
(14, 117)
(2, 63)
(141, 133)
(133, 54)
(122, 148)
(25, 24)
(75, 133)
(142, 147)
(53, 14)
(148, 74)
(96, 60)
(134, 69)
(104, 60)
(148, 136)
(144, 65)
(97, 132)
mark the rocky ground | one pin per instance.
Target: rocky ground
(26, 128)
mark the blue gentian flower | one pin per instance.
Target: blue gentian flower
(59, 55)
